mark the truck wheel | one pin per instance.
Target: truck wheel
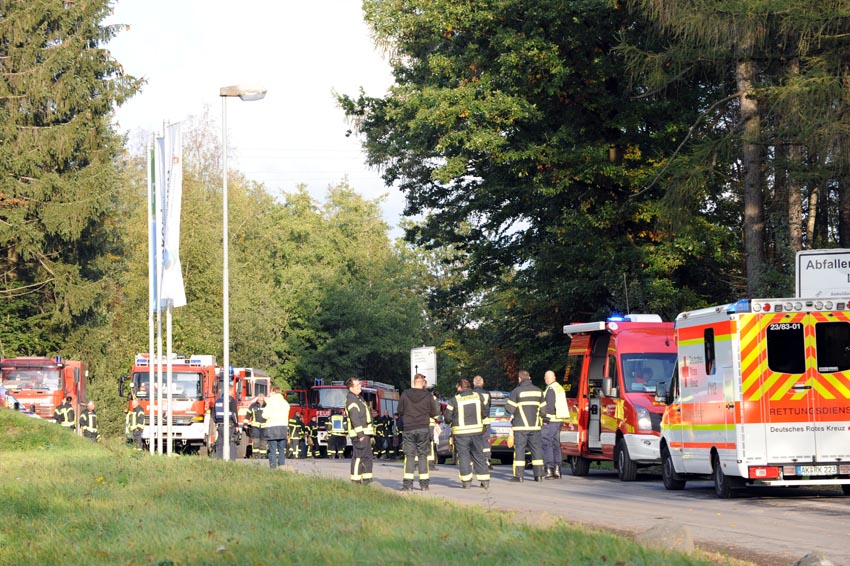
(626, 467)
(724, 486)
(671, 479)
(579, 466)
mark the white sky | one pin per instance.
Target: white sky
(299, 50)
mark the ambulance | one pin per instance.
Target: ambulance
(761, 396)
(613, 371)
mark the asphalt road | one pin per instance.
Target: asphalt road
(769, 526)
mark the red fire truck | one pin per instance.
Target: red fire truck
(613, 370)
(192, 395)
(41, 384)
(321, 401)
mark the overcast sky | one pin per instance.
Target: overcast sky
(301, 51)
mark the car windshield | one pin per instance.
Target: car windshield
(642, 372)
(498, 412)
(32, 378)
(332, 398)
(184, 385)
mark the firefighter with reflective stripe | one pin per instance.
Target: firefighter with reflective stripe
(360, 430)
(136, 424)
(64, 414)
(312, 429)
(88, 422)
(465, 414)
(336, 436)
(297, 445)
(382, 436)
(555, 412)
(256, 420)
(525, 404)
(478, 387)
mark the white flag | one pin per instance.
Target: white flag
(171, 175)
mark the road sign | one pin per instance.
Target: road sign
(424, 360)
(823, 273)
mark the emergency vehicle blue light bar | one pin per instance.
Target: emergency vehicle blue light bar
(741, 306)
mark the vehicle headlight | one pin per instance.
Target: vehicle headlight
(643, 420)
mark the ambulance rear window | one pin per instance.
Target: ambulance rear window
(833, 346)
(786, 352)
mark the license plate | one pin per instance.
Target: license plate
(817, 470)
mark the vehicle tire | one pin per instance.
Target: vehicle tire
(626, 467)
(846, 489)
(441, 459)
(579, 466)
(724, 486)
(671, 479)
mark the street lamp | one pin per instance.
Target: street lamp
(247, 94)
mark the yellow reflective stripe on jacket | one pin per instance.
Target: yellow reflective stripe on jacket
(460, 426)
(528, 410)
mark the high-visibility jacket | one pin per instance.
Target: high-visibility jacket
(136, 419)
(525, 405)
(465, 413)
(254, 416)
(485, 395)
(555, 407)
(64, 415)
(359, 416)
(338, 425)
(296, 428)
(88, 423)
(276, 415)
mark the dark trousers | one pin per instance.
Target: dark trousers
(470, 457)
(336, 446)
(219, 442)
(485, 443)
(277, 452)
(361, 459)
(416, 443)
(551, 434)
(137, 440)
(533, 440)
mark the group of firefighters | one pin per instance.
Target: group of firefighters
(303, 438)
(66, 416)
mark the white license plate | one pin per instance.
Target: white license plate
(817, 470)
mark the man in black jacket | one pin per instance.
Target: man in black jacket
(416, 407)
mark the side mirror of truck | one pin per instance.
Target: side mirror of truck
(661, 392)
(608, 389)
(121, 381)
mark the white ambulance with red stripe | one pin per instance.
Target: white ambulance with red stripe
(761, 396)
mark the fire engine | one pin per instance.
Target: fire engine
(613, 370)
(761, 396)
(41, 384)
(321, 401)
(192, 395)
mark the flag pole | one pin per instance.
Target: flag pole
(151, 292)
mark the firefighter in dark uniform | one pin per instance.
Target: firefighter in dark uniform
(297, 445)
(255, 419)
(360, 430)
(88, 422)
(313, 438)
(64, 415)
(525, 404)
(478, 387)
(136, 424)
(337, 434)
(465, 414)
(218, 418)
(381, 436)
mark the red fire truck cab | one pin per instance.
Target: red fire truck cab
(41, 384)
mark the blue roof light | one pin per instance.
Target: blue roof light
(742, 305)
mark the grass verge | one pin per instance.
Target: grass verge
(68, 501)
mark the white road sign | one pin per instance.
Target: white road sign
(823, 273)
(424, 360)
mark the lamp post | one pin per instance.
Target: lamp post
(247, 94)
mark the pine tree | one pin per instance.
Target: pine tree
(58, 86)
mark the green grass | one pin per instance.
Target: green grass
(66, 500)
